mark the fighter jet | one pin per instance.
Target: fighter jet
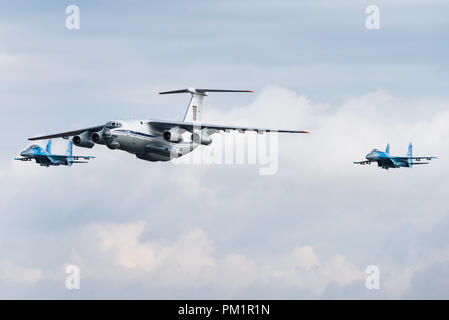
(158, 140)
(46, 158)
(386, 161)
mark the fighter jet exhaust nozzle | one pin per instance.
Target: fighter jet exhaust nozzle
(83, 140)
(172, 135)
(201, 138)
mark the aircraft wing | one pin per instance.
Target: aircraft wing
(363, 162)
(68, 133)
(23, 159)
(82, 157)
(413, 158)
(64, 157)
(190, 126)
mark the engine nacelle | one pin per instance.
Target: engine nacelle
(172, 135)
(202, 138)
(83, 140)
(97, 138)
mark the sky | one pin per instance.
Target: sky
(142, 230)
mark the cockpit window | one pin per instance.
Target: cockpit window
(113, 124)
(34, 146)
(374, 150)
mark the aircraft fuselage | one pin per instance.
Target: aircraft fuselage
(385, 161)
(136, 137)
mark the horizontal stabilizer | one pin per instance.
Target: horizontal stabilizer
(201, 91)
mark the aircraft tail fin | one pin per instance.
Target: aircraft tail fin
(69, 153)
(195, 108)
(410, 150)
(48, 148)
(69, 149)
(387, 150)
(410, 154)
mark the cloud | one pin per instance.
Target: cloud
(191, 261)
(11, 272)
(307, 230)
(398, 283)
(224, 230)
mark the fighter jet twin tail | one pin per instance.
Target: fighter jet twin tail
(161, 140)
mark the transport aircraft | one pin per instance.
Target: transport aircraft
(158, 140)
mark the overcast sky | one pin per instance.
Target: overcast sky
(160, 230)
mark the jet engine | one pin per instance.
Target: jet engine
(109, 140)
(172, 135)
(97, 138)
(201, 137)
(83, 140)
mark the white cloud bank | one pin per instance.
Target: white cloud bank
(312, 227)
(191, 261)
(11, 272)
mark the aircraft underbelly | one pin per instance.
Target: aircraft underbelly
(43, 160)
(126, 143)
(152, 148)
(392, 163)
(385, 163)
(158, 150)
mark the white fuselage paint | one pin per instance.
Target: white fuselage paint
(138, 138)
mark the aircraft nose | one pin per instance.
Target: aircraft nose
(370, 156)
(23, 153)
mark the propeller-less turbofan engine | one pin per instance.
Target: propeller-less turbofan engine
(173, 135)
(202, 137)
(83, 140)
(98, 138)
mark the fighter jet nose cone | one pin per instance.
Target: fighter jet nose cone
(23, 153)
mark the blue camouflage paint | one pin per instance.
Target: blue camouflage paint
(46, 158)
(386, 161)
